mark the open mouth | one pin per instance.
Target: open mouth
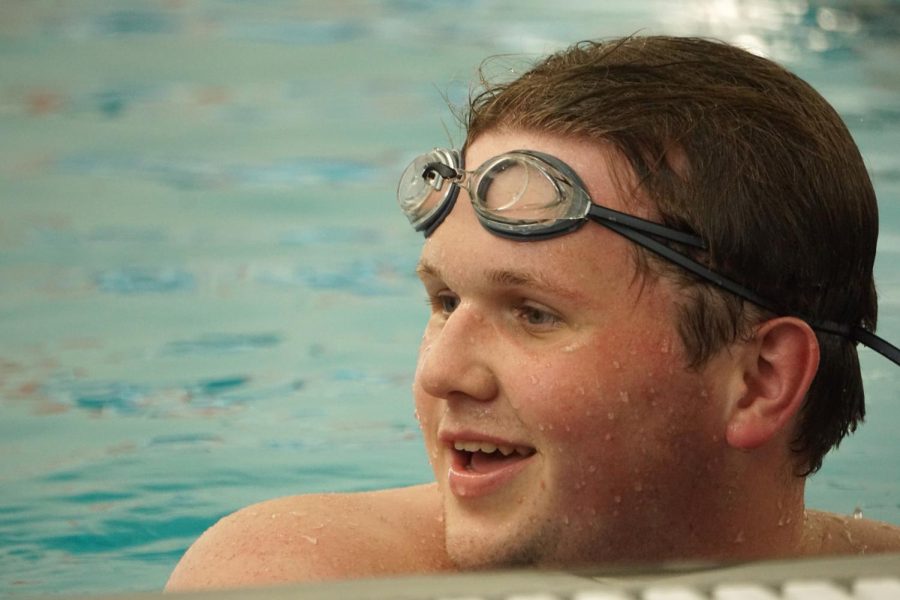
(484, 457)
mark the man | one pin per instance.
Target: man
(651, 386)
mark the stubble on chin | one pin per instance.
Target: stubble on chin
(489, 550)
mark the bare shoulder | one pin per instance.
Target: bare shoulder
(840, 534)
(319, 537)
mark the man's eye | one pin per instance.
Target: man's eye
(445, 303)
(538, 317)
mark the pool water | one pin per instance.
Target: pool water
(206, 293)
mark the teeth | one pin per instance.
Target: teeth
(489, 448)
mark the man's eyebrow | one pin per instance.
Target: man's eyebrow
(536, 280)
(425, 269)
(509, 278)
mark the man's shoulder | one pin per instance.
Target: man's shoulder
(840, 534)
(319, 537)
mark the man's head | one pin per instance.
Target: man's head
(736, 149)
(582, 400)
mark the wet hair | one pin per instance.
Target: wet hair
(732, 147)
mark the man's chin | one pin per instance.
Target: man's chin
(476, 553)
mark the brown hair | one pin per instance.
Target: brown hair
(734, 148)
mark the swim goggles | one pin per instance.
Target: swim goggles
(528, 195)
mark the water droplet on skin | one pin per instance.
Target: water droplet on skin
(592, 469)
(607, 437)
(623, 396)
(616, 365)
(611, 415)
(617, 499)
(580, 390)
(857, 513)
(566, 520)
(638, 487)
(540, 427)
(739, 538)
(310, 539)
(664, 346)
(534, 379)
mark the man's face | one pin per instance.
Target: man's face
(559, 356)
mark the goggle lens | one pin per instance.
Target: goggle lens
(516, 189)
(422, 190)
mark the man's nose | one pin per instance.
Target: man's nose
(455, 358)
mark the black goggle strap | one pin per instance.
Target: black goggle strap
(855, 334)
(609, 215)
(442, 169)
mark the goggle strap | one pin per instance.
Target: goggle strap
(673, 235)
(855, 334)
(876, 343)
(442, 169)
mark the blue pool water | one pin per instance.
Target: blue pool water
(206, 293)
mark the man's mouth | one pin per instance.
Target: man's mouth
(486, 457)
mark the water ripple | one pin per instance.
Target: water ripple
(198, 174)
(222, 343)
(142, 280)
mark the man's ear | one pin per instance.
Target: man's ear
(778, 366)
